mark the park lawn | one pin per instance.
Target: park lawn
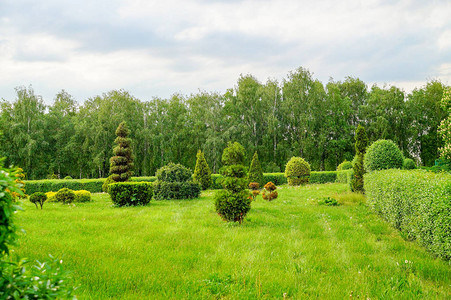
(291, 247)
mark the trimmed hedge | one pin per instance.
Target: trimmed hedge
(130, 193)
(417, 203)
(91, 185)
(176, 190)
(323, 177)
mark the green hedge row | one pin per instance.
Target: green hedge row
(416, 202)
(91, 185)
(130, 193)
(95, 185)
(176, 190)
(344, 176)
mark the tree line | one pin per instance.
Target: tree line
(299, 116)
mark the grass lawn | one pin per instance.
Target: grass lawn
(290, 248)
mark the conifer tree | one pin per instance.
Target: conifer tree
(202, 173)
(361, 142)
(121, 164)
(255, 173)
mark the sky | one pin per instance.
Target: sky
(158, 48)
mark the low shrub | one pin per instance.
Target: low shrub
(82, 196)
(65, 195)
(51, 196)
(176, 190)
(276, 178)
(255, 189)
(346, 165)
(38, 198)
(269, 192)
(323, 177)
(415, 202)
(216, 182)
(297, 171)
(67, 177)
(382, 155)
(130, 193)
(409, 164)
(174, 173)
(233, 206)
(328, 201)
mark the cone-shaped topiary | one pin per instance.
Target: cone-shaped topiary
(255, 171)
(361, 142)
(202, 173)
(121, 164)
(297, 171)
(234, 202)
(382, 155)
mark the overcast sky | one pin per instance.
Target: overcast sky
(157, 48)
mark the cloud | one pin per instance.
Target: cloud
(156, 48)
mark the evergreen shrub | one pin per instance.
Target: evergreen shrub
(38, 198)
(130, 193)
(67, 177)
(82, 196)
(297, 171)
(346, 165)
(121, 164)
(358, 170)
(415, 202)
(65, 196)
(174, 181)
(382, 155)
(255, 189)
(409, 164)
(323, 177)
(269, 192)
(109, 180)
(255, 173)
(202, 173)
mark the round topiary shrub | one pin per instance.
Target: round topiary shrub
(346, 165)
(174, 181)
(381, 155)
(409, 164)
(67, 178)
(270, 193)
(65, 195)
(38, 198)
(297, 171)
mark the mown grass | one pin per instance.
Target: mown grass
(291, 247)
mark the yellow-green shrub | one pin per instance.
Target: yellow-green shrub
(297, 171)
(51, 196)
(82, 196)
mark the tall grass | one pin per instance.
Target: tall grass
(181, 249)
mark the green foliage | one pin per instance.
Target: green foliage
(276, 178)
(346, 165)
(174, 181)
(38, 198)
(121, 164)
(234, 154)
(255, 173)
(82, 196)
(382, 155)
(20, 176)
(131, 193)
(297, 171)
(323, 177)
(409, 164)
(67, 178)
(328, 201)
(269, 192)
(176, 190)
(345, 176)
(65, 196)
(47, 280)
(233, 206)
(415, 202)
(361, 142)
(233, 203)
(445, 125)
(174, 173)
(202, 173)
(109, 180)
(255, 189)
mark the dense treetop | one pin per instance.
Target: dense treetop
(299, 116)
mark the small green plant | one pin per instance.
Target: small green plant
(255, 173)
(328, 201)
(174, 181)
(67, 178)
(297, 171)
(409, 164)
(382, 155)
(269, 192)
(38, 198)
(65, 196)
(255, 190)
(202, 173)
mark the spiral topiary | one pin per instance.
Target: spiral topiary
(297, 171)
(121, 164)
(381, 155)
